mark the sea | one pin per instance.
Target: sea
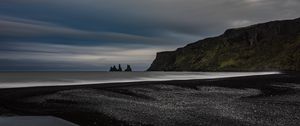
(38, 79)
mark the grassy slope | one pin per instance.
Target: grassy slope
(268, 46)
(280, 54)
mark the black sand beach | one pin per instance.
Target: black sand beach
(265, 100)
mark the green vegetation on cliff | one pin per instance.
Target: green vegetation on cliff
(263, 47)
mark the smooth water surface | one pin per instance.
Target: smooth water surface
(32, 79)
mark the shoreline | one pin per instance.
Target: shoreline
(138, 100)
(107, 84)
(17, 80)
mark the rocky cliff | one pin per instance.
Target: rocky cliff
(263, 47)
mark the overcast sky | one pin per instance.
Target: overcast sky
(95, 34)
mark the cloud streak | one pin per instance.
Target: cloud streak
(89, 56)
(47, 33)
(16, 27)
(186, 17)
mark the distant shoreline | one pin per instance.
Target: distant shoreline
(124, 80)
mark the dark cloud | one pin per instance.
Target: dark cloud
(41, 30)
(204, 17)
(70, 56)
(24, 28)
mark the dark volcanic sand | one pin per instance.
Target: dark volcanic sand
(268, 100)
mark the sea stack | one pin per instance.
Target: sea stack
(128, 69)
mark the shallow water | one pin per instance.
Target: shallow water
(33, 79)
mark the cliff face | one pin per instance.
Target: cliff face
(269, 46)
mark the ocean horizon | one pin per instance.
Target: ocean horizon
(51, 78)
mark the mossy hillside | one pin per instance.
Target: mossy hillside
(263, 47)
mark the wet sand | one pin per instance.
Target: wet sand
(266, 100)
(33, 121)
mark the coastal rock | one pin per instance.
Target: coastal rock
(263, 47)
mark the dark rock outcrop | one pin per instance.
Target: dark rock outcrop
(263, 47)
(113, 69)
(119, 68)
(128, 68)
